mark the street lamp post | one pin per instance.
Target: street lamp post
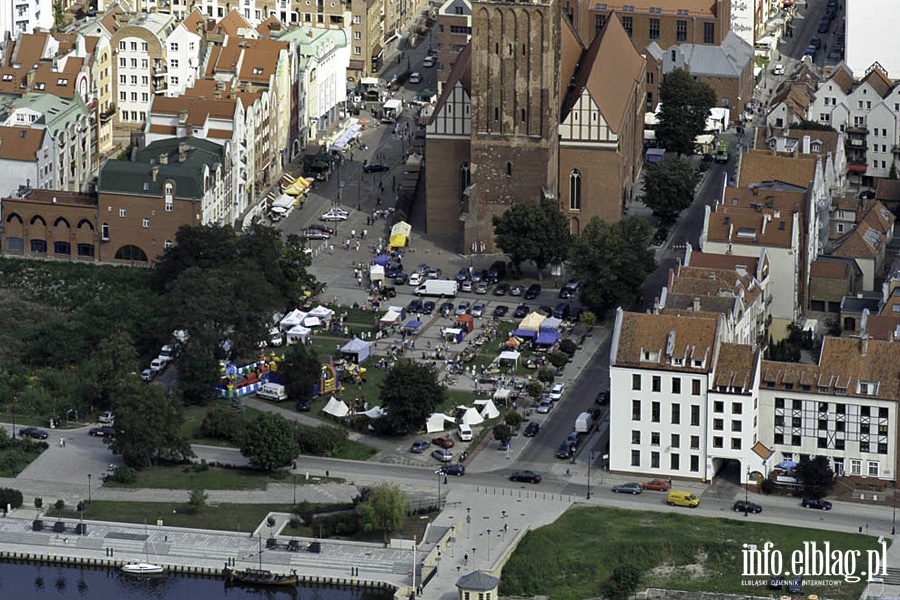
(747, 493)
(590, 460)
(453, 542)
(295, 490)
(89, 487)
(439, 474)
(468, 522)
(894, 507)
(489, 547)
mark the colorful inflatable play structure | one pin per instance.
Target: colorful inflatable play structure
(236, 381)
(328, 380)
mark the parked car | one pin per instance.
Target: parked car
(34, 433)
(429, 62)
(627, 488)
(466, 286)
(415, 77)
(657, 485)
(427, 307)
(824, 25)
(556, 392)
(516, 290)
(335, 214)
(815, 42)
(414, 306)
(106, 417)
(544, 407)
(319, 227)
(532, 429)
(525, 476)
(562, 311)
(475, 276)
(816, 503)
(500, 311)
(746, 506)
(478, 309)
(462, 309)
(570, 290)
(433, 273)
(778, 69)
(375, 168)
(602, 398)
(104, 431)
(415, 279)
(462, 275)
(442, 454)
(443, 442)
(148, 374)
(419, 446)
(532, 292)
(481, 287)
(502, 289)
(446, 309)
(565, 451)
(521, 311)
(457, 470)
(401, 278)
(315, 234)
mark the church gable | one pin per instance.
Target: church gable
(585, 123)
(453, 116)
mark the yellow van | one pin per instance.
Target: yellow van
(676, 498)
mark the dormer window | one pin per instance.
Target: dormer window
(62, 81)
(8, 77)
(697, 363)
(257, 70)
(677, 362)
(867, 388)
(648, 356)
(39, 86)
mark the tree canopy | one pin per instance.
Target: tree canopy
(148, 424)
(223, 289)
(300, 369)
(669, 187)
(816, 476)
(409, 394)
(686, 105)
(268, 442)
(533, 232)
(383, 508)
(612, 260)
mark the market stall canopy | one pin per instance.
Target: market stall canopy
(358, 349)
(278, 210)
(284, 202)
(467, 322)
(390, 317)
(489, 410)
(525, 333)
(298, 186)
(295, 317)
(452, 334)
(512, 355)
(376, 412)
(322, 312)
(472, 417)
(501, 395)
(336, 408)
(376, 273)
(413, 324)
(400, 234)
(532, 322)
(437, 422)
(297, 333)
(547, 338)
(382, 260)
(550, 324)
(346, 136)
(311, 321)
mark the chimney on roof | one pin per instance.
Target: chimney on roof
(864, 344)
(182, 156)
(163, 159)
(806, 144)
(29, 79)
(182, 147)
(218, 95)
(695, 304)
(182, 117)
(154, 172)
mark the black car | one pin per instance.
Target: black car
(104, 431)
(562, 311)
(414, 306)
(521, 311)
(545, 310)
(602, 398)
(462, 275)
(319, 227)
(569, 290)
(745, 506)
(500, 311)
(393, 270)
(457, 470)
(532, 429)
(532, 292)
(401, 278)
(389, 291)
(501, 289)
(34, 433)
(526, 477)
(447, 309)
(816, 503)
(564, 451)
(375, 168)
(428, 308)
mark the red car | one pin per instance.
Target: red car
(658, 485)
(443, 442)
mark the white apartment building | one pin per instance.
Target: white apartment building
(139, 66)
(26, 159)
(183, 55)
(871, 35)
(22, 16)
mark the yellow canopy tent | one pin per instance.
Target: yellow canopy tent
(299, 186)
(400, 234)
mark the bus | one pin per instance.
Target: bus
(722, 154)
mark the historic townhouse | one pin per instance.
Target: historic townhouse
(22, 16)
(184, 48)
(25, 159)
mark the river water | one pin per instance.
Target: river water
(27, 582)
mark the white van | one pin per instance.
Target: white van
(464, 432)
(272, 391)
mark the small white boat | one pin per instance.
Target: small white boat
(142, 568)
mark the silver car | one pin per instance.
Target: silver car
(477, 309)
(442, 454)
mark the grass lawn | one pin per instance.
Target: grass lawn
(14, 460)
(673, 551)
(181, 477)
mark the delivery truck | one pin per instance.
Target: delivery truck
(393, 108)
(442, 288)
(584, 422)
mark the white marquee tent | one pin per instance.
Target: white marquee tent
(336, 408)
(437, 422)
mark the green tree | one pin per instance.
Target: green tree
(59, 16)
(534, 388)
(588, 319)
(513, 419)
(558, 359)
(268, 442)
(10, 496)
(533, 232)
(323, 440)
(623, 582)
(197, 500)
(223, 423)
(815, 475)
(669, 187)
(148, 425)
(300, 369)
(116, 359)
(502, 433)
(409, 394)
(546, 376)
(383, 508)
(59, 505)
(612, 260)
(686, 105)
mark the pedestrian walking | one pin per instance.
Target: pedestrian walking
(357, 245)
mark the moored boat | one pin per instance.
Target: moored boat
(260, 577)
(143, 568)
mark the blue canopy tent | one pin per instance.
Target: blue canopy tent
(547, 338)
(413, 324)
(525, 333)
(382, 260)
(786, 465)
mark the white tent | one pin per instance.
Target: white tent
(295, 317)
(358, 350)
(376, 412)
(325, 314)
(336, 408)
(437, 422)
(512, 355)
(488, 411)
(376, 273)
(297, 333)
(501, 395)
(551, 323)
(532, 322)
(311, 321)
(390, 317)
(284, 202)
(472, 417)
